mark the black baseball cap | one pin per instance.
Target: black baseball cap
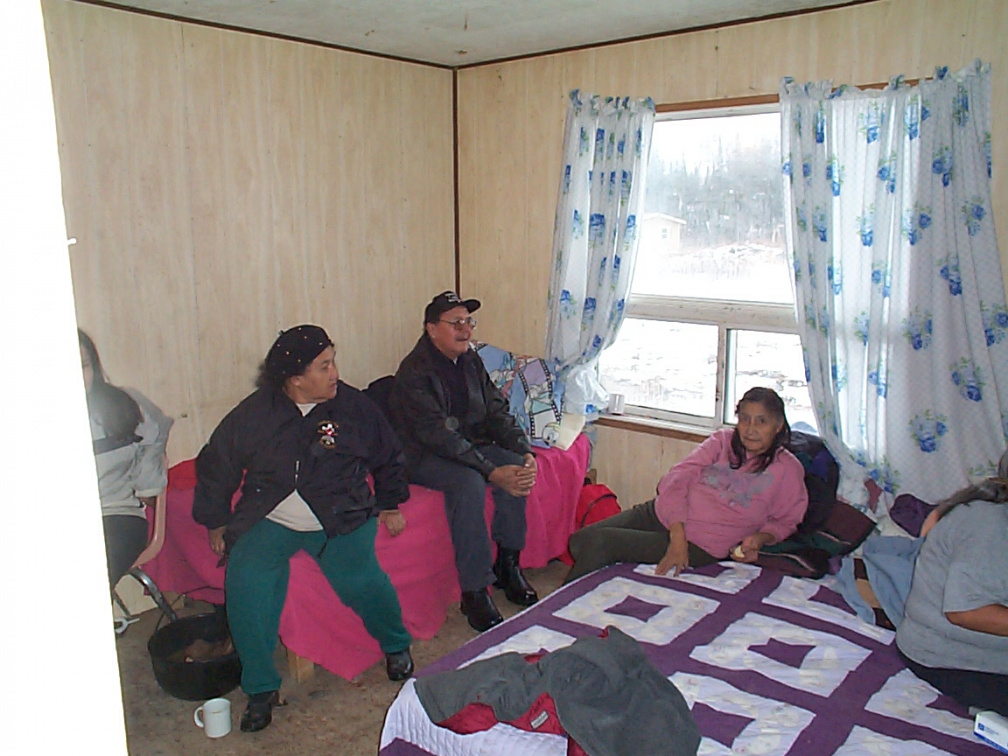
(447, 300)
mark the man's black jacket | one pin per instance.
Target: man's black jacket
(326, 455)
(420, 411)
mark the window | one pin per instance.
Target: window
(710, 312)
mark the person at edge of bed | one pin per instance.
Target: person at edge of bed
(305, 443)
(954, 633)
(128, 435)
(737, 492)
(460, 438)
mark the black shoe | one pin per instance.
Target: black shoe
(510, 578)
(399, 665)
(259, 712)
(480, 610)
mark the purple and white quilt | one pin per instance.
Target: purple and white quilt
(769, 664)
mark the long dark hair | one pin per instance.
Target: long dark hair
(990, 489)
(773, 404)
(109, 406)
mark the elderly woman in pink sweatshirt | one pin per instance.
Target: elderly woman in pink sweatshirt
(737, 492)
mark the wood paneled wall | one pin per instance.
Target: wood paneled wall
(631, 464)
(221, 186)
(510, 129)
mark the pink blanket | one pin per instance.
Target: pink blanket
(420, 562)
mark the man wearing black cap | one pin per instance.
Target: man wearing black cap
(459, 436)
(305, 443)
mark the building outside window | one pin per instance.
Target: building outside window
(711, 310)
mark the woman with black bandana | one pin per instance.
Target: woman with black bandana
(129, 435)
(301, 448)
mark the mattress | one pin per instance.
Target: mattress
(769, 664)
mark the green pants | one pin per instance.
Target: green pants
(633, 535)
(256, 587)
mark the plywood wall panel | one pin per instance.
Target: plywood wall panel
(225, 185)
(206, 141)
(647, 60)
(423, 164)
(347, 233)
(863, 44)
(162, 285)
(737, 70)
(284, 175)
(687, 75)
(631, 464)
(546, 104)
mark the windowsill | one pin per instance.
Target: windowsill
(655, 427)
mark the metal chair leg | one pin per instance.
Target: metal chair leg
(120, 624)
(155, 593)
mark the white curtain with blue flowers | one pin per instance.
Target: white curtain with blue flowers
(605, 155)
(898, 284)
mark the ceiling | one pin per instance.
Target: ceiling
(457, 33)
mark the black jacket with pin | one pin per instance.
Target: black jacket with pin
(325, 455)
(421, 412)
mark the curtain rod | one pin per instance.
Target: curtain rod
(765, 99)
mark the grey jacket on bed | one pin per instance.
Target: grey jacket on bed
(609, 697)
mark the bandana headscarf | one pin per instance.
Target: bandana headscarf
(295, 349)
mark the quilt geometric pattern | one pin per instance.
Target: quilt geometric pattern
(768, 663)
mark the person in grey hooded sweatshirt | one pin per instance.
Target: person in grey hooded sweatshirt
(128, 434)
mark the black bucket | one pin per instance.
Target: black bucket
(193, 680)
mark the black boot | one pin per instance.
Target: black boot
(399, 666)
(510, 578)
(480, 610)
(259, 712)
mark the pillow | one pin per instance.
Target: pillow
(528, 385)
(909, 513)
(831, 527)
(822, 476)
(808, 554)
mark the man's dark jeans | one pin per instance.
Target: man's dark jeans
(465, 493)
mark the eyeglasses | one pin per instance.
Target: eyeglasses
(461, 323)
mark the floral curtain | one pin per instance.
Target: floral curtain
(898, 283)
(606, 146)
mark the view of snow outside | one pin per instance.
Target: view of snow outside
(712, 228)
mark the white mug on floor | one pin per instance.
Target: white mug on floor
(214, 717)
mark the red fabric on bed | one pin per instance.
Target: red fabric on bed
(420, 562)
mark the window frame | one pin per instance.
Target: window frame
(729, 316)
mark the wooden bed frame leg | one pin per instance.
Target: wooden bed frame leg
(301, 669)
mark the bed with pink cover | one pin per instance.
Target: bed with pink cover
(420, 562)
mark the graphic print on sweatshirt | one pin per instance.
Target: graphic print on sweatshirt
(736, 487)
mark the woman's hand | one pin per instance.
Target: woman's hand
(677, 555)
(748, 550)
(216, 536)
(393, 521)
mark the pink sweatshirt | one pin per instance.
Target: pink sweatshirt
(720, 506)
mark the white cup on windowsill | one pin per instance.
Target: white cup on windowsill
(617, 403)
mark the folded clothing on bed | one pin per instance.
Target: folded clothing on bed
(608, 696)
